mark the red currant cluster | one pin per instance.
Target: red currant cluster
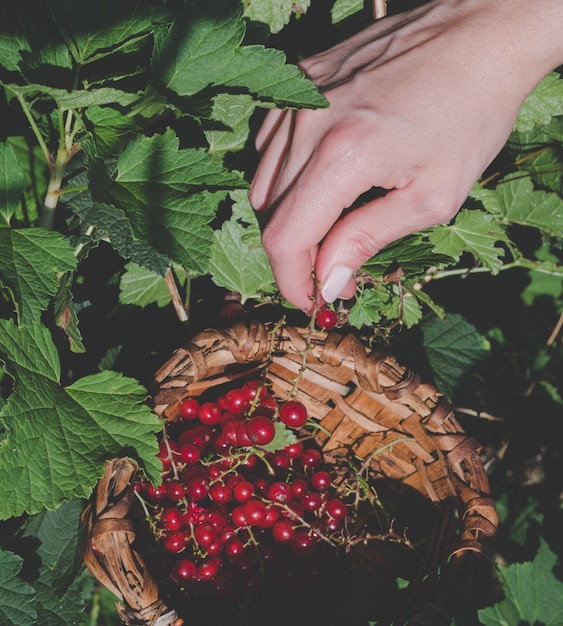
(239, 486)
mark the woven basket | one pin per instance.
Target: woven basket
(370, 407)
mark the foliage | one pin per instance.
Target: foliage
(125, 159)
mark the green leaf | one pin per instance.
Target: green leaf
(275, 13)
(59, 537)
(238, 260)
(366, 310)
(532, 593)
(12, 44)
(402, 306)
(542, 104)
(109, 128)
(203, 48)
(30, 259)
(233, 112)
(472, 231)
(342, 9)
(111, 222)
(453, 347)
(520, 204)
(152, 167)
(54, 610)
(140, 287)
(65, 313)
(95, 30)
(412, 254)
(59, 438)
(76, 99)
(12, 182)
(17, 598)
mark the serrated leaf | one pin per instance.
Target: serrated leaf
(12, 44)
(404, 307)
(412, 254)
(17, 597)
(95, 30)
(203, 48)
(112, 222)
(30, 259)
(542, 104)
(140, 287)
(283, 437)
(58, 535)
(65, 314)
(109, 128)
(59, 438)
(233, 112)
(453, 347)
(54, 610)
(342, 9)
(366, 310)
(12, 182)
(238, 260)
(521, 204)
(275, 13)
(532, 593)
(472, 231)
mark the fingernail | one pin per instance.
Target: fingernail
(336, 281)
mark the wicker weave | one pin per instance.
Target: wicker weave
(375, 409)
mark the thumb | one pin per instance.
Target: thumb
(362, 233)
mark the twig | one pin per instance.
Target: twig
(175, 297)
(379, 9)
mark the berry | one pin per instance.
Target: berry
(188, 409)
(293, 414)
(326, 319)
(174, 542)
(172, 519)
(236, 401)
(336, 508)
(209, 413)
(260, 430)
(283, 530)
(243, 491)
(185, 569)
(321, 480)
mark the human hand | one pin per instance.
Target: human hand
(420, 104)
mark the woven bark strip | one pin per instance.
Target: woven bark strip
(367, 404)
(108, 551)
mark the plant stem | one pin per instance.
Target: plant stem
(523, 263)
(175, 296)
(36, 131)
(54, 187)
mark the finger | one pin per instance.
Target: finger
(272, 162)
(306, 213)
(268, 128)
(361, 234)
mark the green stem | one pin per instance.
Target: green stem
(36, 131)
(522, 263)
(54, 187)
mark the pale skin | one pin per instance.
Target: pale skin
(420, 104)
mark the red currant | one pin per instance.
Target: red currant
(185, 569)
(209, 413)
(293, 414)
(326, 319)
(336, 508)
(174, 542)
(188, 409)
(236, 401)
(260, 430)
